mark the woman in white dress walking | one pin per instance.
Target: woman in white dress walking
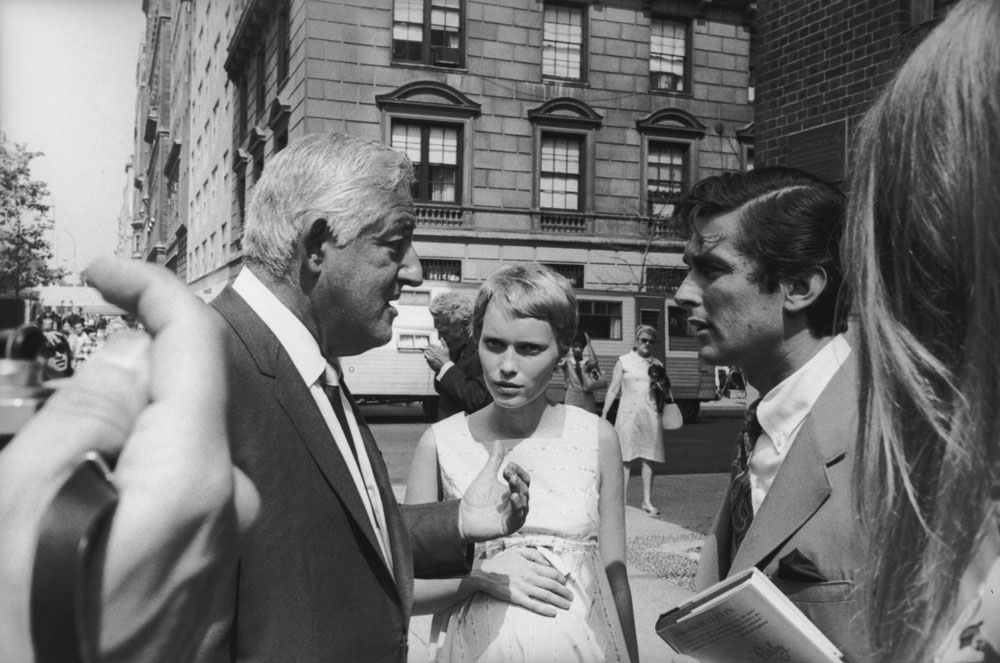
(558, 589)
(638, 421)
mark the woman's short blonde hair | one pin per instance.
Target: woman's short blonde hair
(530, 291)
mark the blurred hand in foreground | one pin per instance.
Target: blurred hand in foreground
(156, 403)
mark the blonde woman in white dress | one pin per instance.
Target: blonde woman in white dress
(557, 591)
(638, 421)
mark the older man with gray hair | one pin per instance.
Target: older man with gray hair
(327, 573)
(458, 375)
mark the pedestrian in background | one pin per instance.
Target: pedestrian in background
(923, 248)
(581, 375)
(458, 375)
(638, 421)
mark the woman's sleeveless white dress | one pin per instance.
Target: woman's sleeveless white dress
(563, 518)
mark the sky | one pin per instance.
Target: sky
(68, 89)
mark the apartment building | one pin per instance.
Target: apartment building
(559, 132)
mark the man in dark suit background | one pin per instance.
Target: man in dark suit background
(458, 375)
(327, 572)
(762, 295)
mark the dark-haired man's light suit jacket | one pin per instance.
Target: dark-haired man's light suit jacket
(809, 508)
(312, 585)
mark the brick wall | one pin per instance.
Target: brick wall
(821, 63)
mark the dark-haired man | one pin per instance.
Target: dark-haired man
(762, 294)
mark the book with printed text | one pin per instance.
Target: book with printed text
(745, 619)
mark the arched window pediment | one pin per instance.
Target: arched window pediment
(672, 121)
(567, 111)
(428, 97)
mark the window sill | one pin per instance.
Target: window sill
(570, 82)
(684, 94)
(433, 67)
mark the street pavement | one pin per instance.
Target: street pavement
(662, 551)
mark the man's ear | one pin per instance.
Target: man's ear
(802, 290)
(313, 242)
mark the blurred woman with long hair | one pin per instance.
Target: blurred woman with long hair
(923, 250)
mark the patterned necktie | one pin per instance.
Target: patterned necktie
(739, 482)
(333, 393)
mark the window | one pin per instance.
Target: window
(434, 150)
(413, 342)
(666, 169)
(563, 42)
(664, 279)
(432, 123)
(241, 119)
(671, 140)
(241, 197)
(668, 55)
(560, 173)
(284, 43)
(678, 336)
(414, 298)
(563, 140)
(427, 32)
(601, 319)
(259, 90)
(572, 273)
(438, 269)
(258, 163)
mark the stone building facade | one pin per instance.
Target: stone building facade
(554, 132)
(551, 131)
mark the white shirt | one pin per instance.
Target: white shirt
(305, 354)
(783, 410)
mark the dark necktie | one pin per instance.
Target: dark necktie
(739, 482)
(579, 373)
(333, 393)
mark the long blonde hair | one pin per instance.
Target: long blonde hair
(923, 256)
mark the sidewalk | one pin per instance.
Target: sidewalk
(661, 557)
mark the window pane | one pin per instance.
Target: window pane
(667, 54)
(562, 41)
(559, 179)
(665, 177)
(601, 319)
(406, 138)
(442, 183)
(408, 29)
(442, 145)
(444, 23)
(433, 149)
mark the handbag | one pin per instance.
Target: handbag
(671, 417)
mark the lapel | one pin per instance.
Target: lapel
(399, 541)
(802, 484)
(293, 395)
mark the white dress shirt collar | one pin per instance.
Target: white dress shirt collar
(784, 408)
(300, 345)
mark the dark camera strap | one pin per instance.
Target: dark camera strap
(65, 618)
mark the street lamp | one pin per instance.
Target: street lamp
(52, 225)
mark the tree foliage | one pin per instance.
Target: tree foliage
(24, 250)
